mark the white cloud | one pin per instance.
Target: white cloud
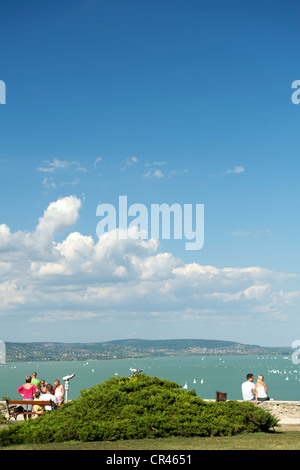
(11, 295)
(235, 170)
(153, 173)
(158, 174)
(21, 247)
(252, 292)
(48, 183)
(255, 234)
(99, 159)
(57, 164)
(70, 183)
(56, 168)
(58, 216)
(5, 237)
(131, 161)
(177, 172)
(113, 278)
(156, 163)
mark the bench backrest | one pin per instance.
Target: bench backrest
(29, 402)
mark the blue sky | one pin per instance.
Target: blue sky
(164, 101)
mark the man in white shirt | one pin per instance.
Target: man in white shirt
(49, 396)
(248, 389)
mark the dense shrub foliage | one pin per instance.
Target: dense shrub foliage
(135, 408)
(3, 419)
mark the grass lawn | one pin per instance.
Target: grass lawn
(284, 438)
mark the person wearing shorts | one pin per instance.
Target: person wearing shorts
(27, 390)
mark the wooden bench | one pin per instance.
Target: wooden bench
(15, 407)
(221, 396)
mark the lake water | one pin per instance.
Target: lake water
(211, 373)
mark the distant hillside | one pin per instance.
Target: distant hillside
(173, 343)
(131, 348)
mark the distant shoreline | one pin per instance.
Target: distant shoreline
(133, 349)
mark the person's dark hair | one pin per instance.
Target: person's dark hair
(49, 388)
(249, 376)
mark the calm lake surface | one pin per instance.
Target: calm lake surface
(204, 374)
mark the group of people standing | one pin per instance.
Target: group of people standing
(255, 391)
(35, 389)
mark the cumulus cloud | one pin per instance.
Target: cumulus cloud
(235, 170)
(117, 278)
(58, 216)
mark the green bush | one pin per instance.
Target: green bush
(3, 419)
(136, 408)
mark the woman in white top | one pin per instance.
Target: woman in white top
(59, 392)
(261, 388)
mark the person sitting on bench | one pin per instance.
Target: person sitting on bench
(49, 396)
(37, 409)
